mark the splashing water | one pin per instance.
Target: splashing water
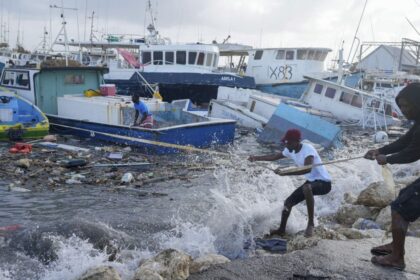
(221, 212)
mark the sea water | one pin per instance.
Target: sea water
(215, 213)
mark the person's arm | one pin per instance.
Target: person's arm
(398, 145)
(309, 160)
(136, 116)
(267, 157)
(410, 153)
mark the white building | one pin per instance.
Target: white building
(387, 59)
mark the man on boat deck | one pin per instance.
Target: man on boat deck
(406, 207)
(318, 181)
(146, 120)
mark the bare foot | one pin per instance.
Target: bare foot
(382, 250)
(389, 261)
(278, 232)
(309, 231)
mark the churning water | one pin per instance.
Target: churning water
(67, 231)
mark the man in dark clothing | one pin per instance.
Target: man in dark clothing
(406, 207)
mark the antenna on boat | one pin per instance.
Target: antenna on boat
(42, 46)
(63, 30)
(355, 35)
(340, 65)
(84, 31)
(92, 31)
(18, 33)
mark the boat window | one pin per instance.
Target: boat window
(192, 56)
(209, 59)
(323, 56)
(302, 54)
(8, 78)
(146, 57)
(318, 55)
(200, 60)
(215, 60)
(330, 92)
(311, 55)
(74, 79)
(318, 88)
(22, 79)
(357, 101)
(158, 58)
(386, 85)
(388, 109)
(181, 57)
(290, 55)
(280, 54)
(258, 55)
(375, 103)
(346, 97)
(169, 58)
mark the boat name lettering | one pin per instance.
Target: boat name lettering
(227, 78)
(280, 72)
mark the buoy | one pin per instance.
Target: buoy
(380, 137)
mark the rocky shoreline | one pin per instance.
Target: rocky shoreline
(339, 251)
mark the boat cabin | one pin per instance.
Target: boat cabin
(285, 65)
(185, 58)
(349, 105)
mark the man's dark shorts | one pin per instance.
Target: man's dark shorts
(407, 204)
(319, 187)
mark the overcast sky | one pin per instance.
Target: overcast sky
(260, 23)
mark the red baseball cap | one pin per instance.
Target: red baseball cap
(291, 135)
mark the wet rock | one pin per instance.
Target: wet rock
(101, 273)
(350, 198)
(147, 274)
(377, 194)
(202, 263)
(300, 242)
(127, 178)
(348, 214)
(169, 264)
(24, 163)
(384, 218)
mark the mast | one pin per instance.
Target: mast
(63, 30)
(355, 35)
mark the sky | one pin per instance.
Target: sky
(259, 23)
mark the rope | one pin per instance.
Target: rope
(301, 168)
(150, 142)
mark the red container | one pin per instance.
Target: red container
(108, 90)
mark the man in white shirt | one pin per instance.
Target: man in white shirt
(318, 181)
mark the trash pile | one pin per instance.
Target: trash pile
(55, 162)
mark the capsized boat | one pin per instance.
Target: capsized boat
(19, 118)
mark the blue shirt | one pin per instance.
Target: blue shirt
(142, 108)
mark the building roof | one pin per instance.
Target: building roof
(407, 58)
